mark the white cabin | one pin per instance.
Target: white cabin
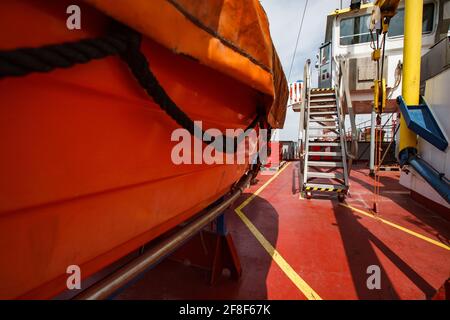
(348, 36)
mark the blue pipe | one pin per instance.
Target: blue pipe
(434, 178)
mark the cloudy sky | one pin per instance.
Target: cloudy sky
(284, 17)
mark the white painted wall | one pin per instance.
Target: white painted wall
(437, 95)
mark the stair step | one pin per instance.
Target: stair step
(320, 113)
(320, 97)
(329, 164)
(322, 94)
(324, 127)
(321, 89)
(322, 100)
(325, 187)
(325, 153)
(323, 136)
(322, 106)
(322, 120)
(324, 144)
(325, 175)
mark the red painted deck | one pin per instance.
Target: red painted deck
(327, 245)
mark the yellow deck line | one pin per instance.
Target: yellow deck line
(276, 256)
(415, 234)
(257, 192)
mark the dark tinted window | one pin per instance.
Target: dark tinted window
(355, 30)
(397, 28)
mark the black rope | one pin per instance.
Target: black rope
(20, 62)
(124, 42)
(138, 65)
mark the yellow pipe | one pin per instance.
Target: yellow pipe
(411, 66)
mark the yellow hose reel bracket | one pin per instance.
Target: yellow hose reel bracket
(376, 54)
(379, 93)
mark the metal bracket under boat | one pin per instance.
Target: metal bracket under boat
(106, 287)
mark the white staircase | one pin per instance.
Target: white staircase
(324, 160)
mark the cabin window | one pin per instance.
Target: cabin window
(325, 55)
(355, 30)
(397, 28)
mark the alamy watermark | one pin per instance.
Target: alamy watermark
(73, 281)
(374, 280)
(73, 21)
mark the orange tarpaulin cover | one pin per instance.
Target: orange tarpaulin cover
(87, 170)
(231, 36)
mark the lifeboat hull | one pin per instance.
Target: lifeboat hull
(86, 167)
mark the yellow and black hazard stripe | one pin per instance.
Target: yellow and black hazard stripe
(322, 89)
(338, 190)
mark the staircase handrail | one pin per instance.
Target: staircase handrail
(343, 91)
(304, 103)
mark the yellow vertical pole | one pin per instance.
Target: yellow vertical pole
(411, 66)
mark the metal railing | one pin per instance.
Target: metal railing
(363, 131)
(305, 95)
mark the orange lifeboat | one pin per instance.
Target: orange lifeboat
(86, 169)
